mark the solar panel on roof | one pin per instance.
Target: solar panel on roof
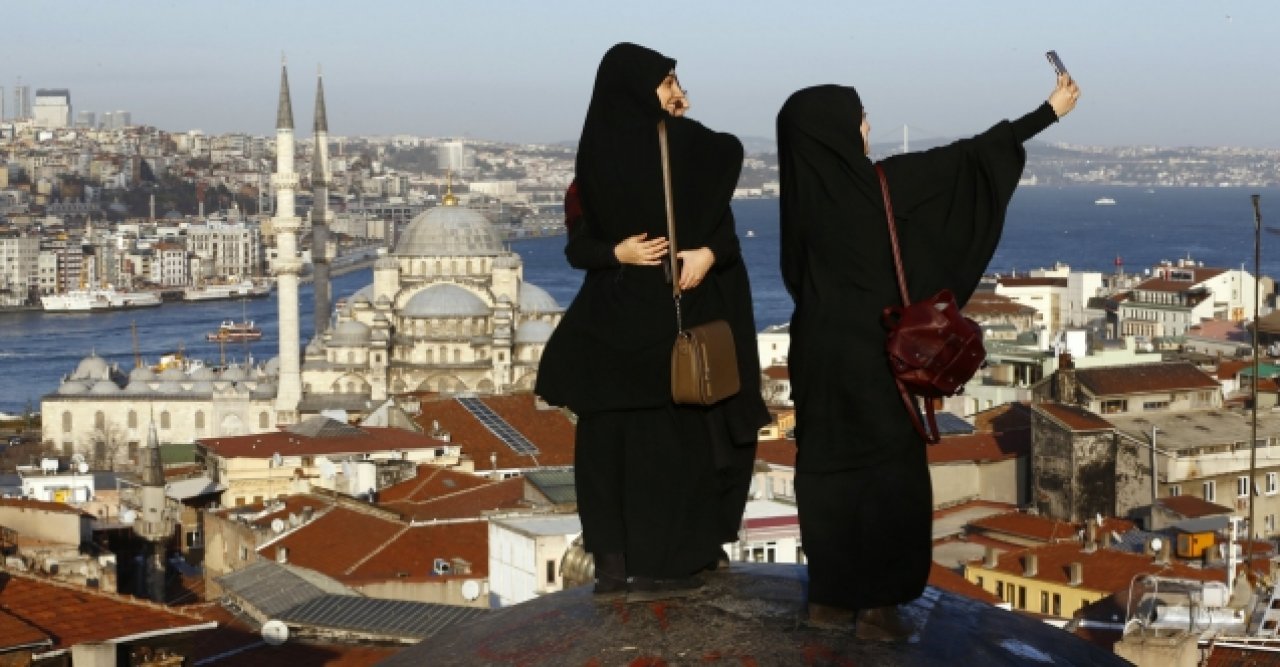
(498, 426)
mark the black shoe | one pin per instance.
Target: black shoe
(883, 624)
(649, 589)
(826, 617)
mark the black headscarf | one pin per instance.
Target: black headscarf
(612, 349)
(949, 205)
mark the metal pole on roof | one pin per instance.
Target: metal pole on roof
(1253, 449)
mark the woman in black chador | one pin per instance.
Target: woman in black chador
(660, 486)
(862, 480)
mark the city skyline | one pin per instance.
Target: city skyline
(1178, 75)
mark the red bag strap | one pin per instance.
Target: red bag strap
(913, 410)
(893, 235)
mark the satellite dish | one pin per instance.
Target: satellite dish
(82, 467)
(470, 590)
(129, 517)
(275, 632)
(1156, 544)
(277, 525)
(77, 458)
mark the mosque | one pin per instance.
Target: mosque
(448, 311)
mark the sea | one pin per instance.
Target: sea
(1045, 226)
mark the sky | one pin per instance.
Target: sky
(1152, 72)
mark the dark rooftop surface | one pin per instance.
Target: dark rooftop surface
(749, 615)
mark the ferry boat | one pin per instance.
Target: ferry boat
(245, 289)
(103, 298)
(229, 332)
(1104, 201)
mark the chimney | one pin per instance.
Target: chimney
(1163, 556)
(1090, 537)
(282, 554)
(1030, 565)
(1077, 574)
(989, 558)
(1065, 379)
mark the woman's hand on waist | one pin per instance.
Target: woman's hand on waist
(641, 250)
(694, 265)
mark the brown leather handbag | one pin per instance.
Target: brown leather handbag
(704, 361)
(933, 349)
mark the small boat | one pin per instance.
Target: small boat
(230, 331)
(751, 233)
(214, 291)
(97, 299)
(1104, 201)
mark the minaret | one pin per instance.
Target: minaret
(154, 522)
(286, 225)
(320, 215)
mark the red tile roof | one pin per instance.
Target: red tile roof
(991, 304)
(336, 540)
(1004, 418)
(44, 506)
(780, 452)
(1261, 655)
(1192, 507)
(1072, 417)
(1028, 526)
(431, 482)
(1161, 283)
(73, 615)
(1143, 378)
(263, 445)
(1103, 570)
(548, 429)
(411, 555)
(980, 447)
(237, 643)
(777, 372)
(1006, 281)
(15, 632)
(942, 578)
(1231, 368)
(467, 503)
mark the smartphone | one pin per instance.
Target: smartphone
(1056, 62)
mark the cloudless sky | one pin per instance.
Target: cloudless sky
(1163, 72)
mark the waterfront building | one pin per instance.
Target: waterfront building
(1181, 295)
(226, 250)
(169, 266)
(19, 266)
(454, 156)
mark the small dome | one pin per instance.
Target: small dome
(168, 387)
(104, 388)
(449, 231)
(382, 302)
(92, 367)
(138, 387)
(72, 388)
(203, 373)
(534, 299)
(445, 301)
(203, 387)
(141, 374)
(233, 373)
(350, 333)
(172, 374)
(272, 367)
(267, 389)
(535, 331)
(362, 295)
(315, 348)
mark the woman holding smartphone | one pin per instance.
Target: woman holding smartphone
(862, 478)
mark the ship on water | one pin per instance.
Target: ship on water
(244, 289)
(230, 332)
(97, 299)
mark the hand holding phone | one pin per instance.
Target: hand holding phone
(1056, 62)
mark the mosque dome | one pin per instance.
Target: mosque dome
(172, 374)
(272, 367)
(141, 374)
(350, 334)
(445, 301)
(104, 388)
(234, 373)
(203, 373)
(138, 387)
(168, 387)
(203, 387)
(92, 367)
(447, 231)
(534, 299)
(534, 331)
(72, 388)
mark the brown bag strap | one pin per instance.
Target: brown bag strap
(671, 219)
(913, 410)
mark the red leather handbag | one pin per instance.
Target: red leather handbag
(933, 349)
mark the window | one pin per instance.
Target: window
(199, 419)
(1242, 487)
(551, 571)
(1271, 483)
(1044, 602)
(1057, 604)
(1000, 589)
(1155, 405)
(1174, 490)
(1022, 597)
(133, 419)
(1210, 489)
(1113, 407)
(66, 422)
(1269, 523)
(263, 420)
(164, 419)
